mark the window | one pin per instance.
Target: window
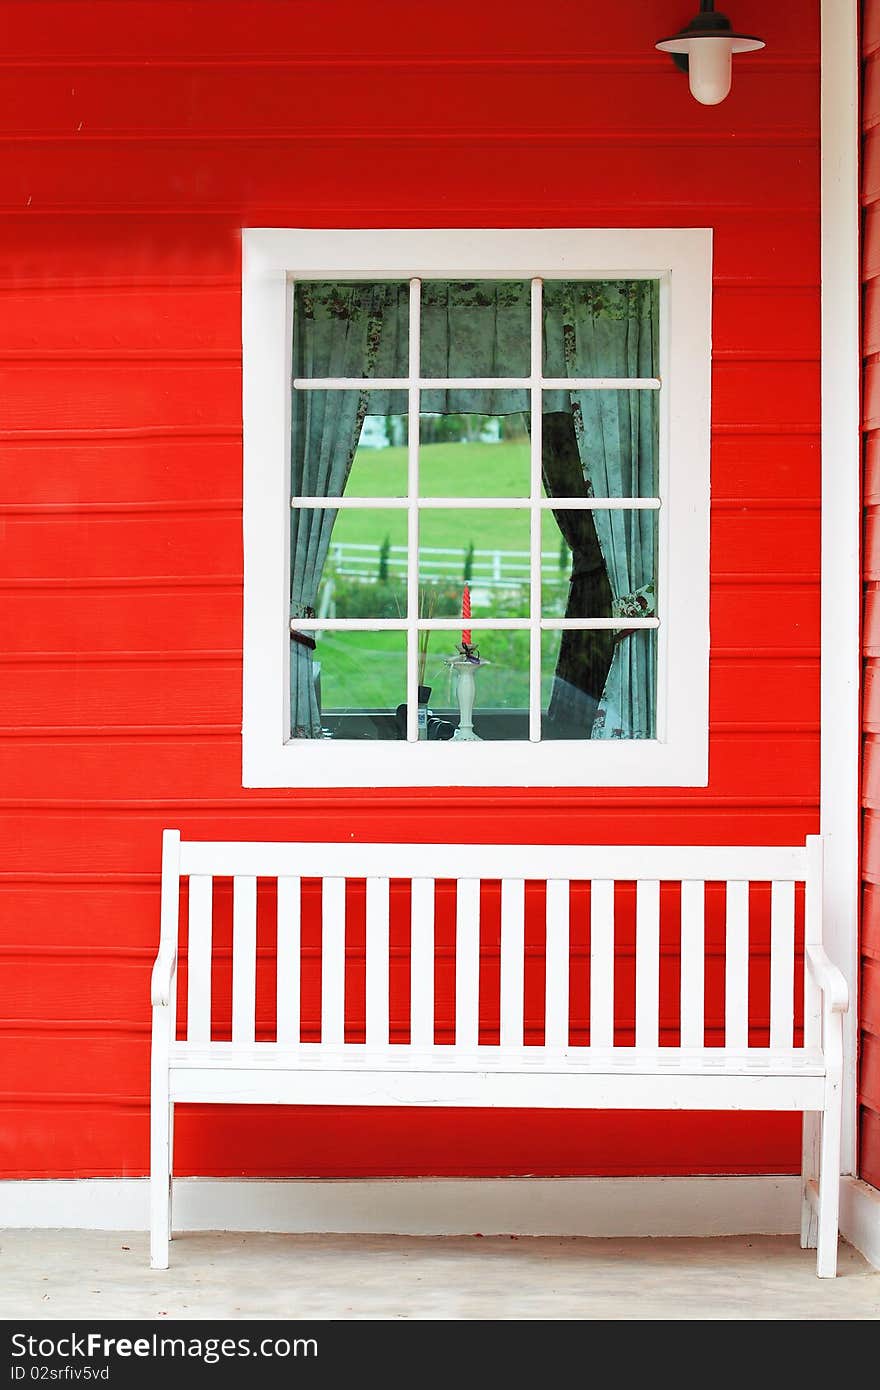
(507, 425)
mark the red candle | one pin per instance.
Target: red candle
(466, 613)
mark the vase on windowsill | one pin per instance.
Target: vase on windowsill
(466, 668)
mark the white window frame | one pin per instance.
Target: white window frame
(681, 259)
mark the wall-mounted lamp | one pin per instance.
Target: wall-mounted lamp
(703, 50)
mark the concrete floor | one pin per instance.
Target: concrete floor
(86, 1274)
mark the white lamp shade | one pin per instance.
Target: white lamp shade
(710, 70)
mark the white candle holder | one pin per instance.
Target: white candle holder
(466, 694)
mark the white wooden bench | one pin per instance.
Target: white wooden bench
(786, 1072)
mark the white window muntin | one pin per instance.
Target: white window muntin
(681, 261)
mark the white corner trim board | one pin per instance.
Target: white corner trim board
(658, 1206)
(841, 517)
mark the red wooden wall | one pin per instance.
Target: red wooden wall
(137, 137)
(869, 1003)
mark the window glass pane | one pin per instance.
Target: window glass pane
(363, 574)
(488, 549)
(596, 328)
(475, 328)
(380, 467)
(600, 443)
(360, 680)
(350, 329)
(501, 685)
(348, 442)
(598, 684)
(598, 564)
(469, 453)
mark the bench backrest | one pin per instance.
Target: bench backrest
(609, 870)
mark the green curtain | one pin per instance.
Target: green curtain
(584, 658)
(341, 330)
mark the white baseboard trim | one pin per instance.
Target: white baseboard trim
(860, 1217)
(694, 1206)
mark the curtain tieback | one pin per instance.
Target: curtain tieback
(302, 610)
(638, 604)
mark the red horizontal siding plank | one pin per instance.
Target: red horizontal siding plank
(870, 920)
(74, 916)
(869, 1145)
(871, 318)
(870, 89)
(871, 773)
(872, 469)
(763, 543)
(768, 321)
(256, 29)
(779, 248)
(127, 840)
(871, 847)
(249, 179)
(869, 997)
(148, 618)
(280, 1141)
(871, 396)
(871, 623)
(101, 695)
(70, 546)
(378, 97)
(869, 1072)
(871, 552)
(109, 396)
(74, 320)
(871, 697)
(871, 167)
(161, 469)
(161, 768)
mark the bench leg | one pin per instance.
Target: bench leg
(809, 1173)
(170, 1170)
(160, 1180)
(829, 1182)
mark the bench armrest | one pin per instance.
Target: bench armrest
(163, 974)
(828, 978)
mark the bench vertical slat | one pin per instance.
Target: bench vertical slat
(736, 967)
(467, 964)
(782, 964)
(602, 962)
(557, 963)
(421, 962)
(693, 962)
(287, 962)
(244, 958)
(198, 994)
(333, 961)
(647, 963)
(377, 983)
(513, 901)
